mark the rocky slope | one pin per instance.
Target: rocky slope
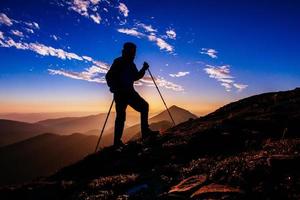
(245, 150)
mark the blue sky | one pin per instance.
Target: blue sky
(204, 54)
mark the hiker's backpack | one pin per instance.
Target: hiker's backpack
(109, 80)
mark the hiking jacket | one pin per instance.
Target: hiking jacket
(122, 74)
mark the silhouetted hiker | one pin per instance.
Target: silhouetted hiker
(120, 78)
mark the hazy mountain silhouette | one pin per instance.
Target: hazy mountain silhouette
(236, 152)
(15, 131)
(159, 122)
(48, 152)
(42, 155)
(69, 125)
(35, 117)
(179, 115)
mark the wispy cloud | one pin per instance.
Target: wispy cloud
(132, 32)
(96, 74)
(54, 37)
(87, 58)
(222, 74)
(169, 85)
(98, 69)
(95, 2)
(91, 9)
(171, 34)
(50, 51)
(17, 33)
(147, 28)
(162, 44)
(227, 86)
(29, 30)
(123, 9)
(210, 52)
(179, 74)
(161, 82)
(218, 72)
(240, 87)
(33, 25)
(102, 65)
(96, 18)
(4, 19)
(80, 6)
(91, 74)
(86, 8)
(23, 26)
(38, 48)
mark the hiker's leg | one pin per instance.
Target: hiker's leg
(140, 105)
(121, 105)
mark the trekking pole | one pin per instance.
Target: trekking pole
(112, 103)
(161, 97)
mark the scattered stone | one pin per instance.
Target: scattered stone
(112, 181)
(188, 184)
(215, 188)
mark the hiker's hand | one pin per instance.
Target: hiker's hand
(145, 66)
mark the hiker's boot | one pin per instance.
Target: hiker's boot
(149, 134)
(118, 145)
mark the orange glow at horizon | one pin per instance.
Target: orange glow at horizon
(85, 103)
(94, 107)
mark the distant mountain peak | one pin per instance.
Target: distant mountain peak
(175, 107)
(179, 115)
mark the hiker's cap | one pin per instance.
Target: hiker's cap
(129, 45)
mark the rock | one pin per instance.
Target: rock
(215, 189)
(188, 184)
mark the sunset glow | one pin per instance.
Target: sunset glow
(55, 54)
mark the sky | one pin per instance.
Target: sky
(203, 53)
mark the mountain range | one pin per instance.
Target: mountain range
(15, 131)
(39, 149)
(35, 117)
(42, 155)
(247, 149)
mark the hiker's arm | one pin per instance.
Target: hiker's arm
(141, 73)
